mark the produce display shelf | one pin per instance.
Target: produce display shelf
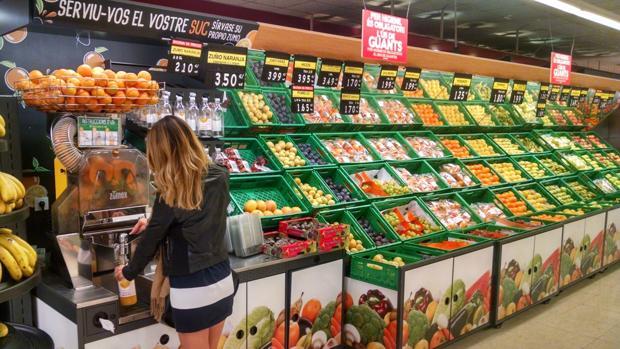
(364, 175)
(357, 148)
(16, 216)
(408, 210)
(373, 103)
(389, 141)
(249, 150)
(339, 178)
(417, 139)
(419, 169)
(443, 204)
(482, 138)
(326, 99)
(344, 217)
(445, 165)
(10, 289)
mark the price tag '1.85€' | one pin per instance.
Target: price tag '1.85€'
(225, 66)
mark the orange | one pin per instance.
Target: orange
(132, 93)
(120, 83)
(110, 74)
(153, 88)
(143, 74)
(85, 70)
(153, 100)
(82, 97)
(143, 84)
(97, 92)
(105, 99)
(35, 74)
(59, 73)
(100, 79)
(127, 106)
(69, 89)
(130, 79)
(87, 82)
(271, 205)
(74, 81)
(144, 97)
(119, 98)
(120, 74)
(97, 70)
(112, 87)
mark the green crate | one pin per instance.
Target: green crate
(542, 192)
(553, 140)
(344, 217)
(406, 205)
(415, 139)
(394, 124)
(253, 74)
(530, 142)
(462, 143)
(532, 159)
(482, 162)
(447, 236)
(429, 201)
(506, 116)
(345, 125)
(574, 161)
(563, 123)
(583, 187)
(494, 161)
(419, 167)
(311, 178)
(297, 121)
(470, 123)
(613, 155)
(483, 195)
(377, 223)
(555, 187)
(254, 126)
(578, 116)
(346, 136)
(469, 137)
(364, 268)
(376, 168)
(437, 166)
(444, 127)
(488, 121)
(406, 154)
(591, 160)
(370, 79)
(508, 144)
(300, 139)
(579, 139)
(234, 123)
(480, 89)
(509, 231)
(427, 76)
(275, 139)
(603, 159)
(554, 164)
(498, 191)
(382, 124)
(249, 149)
(339, 177)
(268, 187)
(593, 135)
(607, 176)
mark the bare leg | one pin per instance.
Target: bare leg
(214, 334)
(195, 340)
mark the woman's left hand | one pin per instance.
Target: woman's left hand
(118, 272)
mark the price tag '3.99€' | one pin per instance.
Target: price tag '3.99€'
(225, 66)
(275, 66)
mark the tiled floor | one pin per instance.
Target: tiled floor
(586, 315)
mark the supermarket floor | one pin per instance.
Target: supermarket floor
(584, 316)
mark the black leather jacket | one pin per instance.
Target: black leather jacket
(193, 240)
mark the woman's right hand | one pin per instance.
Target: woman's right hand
(139, 227)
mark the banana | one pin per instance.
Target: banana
(10, 264)
(19, 186)
(0, 271)
(7, 189)
(2, 121)
(19, 203)
(4, 330)
(17, 251)
(2, 131)
(2, 207)
(30, 251)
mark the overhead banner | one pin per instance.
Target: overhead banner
(150, 21)
(384, 37)
(559, 72)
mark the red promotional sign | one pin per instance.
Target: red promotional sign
(559, 72)
(384, 37)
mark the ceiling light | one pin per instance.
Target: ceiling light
(576, 11)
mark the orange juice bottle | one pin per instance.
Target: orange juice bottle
(126, 289)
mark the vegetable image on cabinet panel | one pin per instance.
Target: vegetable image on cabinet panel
(370, 322)
(612, 237)
(545, 280)
(519, 266)
(571, 257)
(235, 326)
(592, 243)
(432, 300)
(316, 316)
(473, 270)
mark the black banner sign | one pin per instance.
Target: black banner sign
(349, 102)
(302, 99)
(499, 90)
(554, 93)
(598, 97)
(352, 75)
(411, 78)
(460, 87)
(147, 21)
(184, 57)
(540, 109)
(565, 94)
(518, 91)
(544, 92)
(573, 99)
(387, 77)
(583, 95)
(329, 73)
(225, 66)
(304, 70)
(275, 66)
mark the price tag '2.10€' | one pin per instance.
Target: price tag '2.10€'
(184, 57)
(225, 66)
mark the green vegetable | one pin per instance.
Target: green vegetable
(369, 324)
(510, 290)
(610, 245)
(323, 321)
(585, 244)
(566, 265)
(418, 325)
(260, 324)
(452, 301)
(535, 268)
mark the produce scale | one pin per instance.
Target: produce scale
(408, 220)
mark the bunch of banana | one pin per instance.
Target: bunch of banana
(2, 127)
(12, 193)
(17, 256)
(4, 330)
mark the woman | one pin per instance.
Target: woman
(189, 220)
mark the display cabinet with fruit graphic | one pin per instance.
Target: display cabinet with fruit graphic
(582, 248)
(517, 265)
(593, 238)
(547, 246)
(611, 248)
(235, 326)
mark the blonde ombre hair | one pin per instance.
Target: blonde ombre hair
(178, 161)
